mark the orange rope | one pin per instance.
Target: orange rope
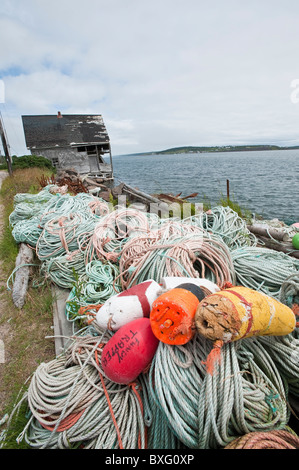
(109, 404)
(86, 311)
(66, 423)
(133, 385)
(295, 308)
(214, 357)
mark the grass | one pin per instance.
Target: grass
(241, 211)
(24, 329)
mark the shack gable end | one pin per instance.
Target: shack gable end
(73, 140)
(50, 131)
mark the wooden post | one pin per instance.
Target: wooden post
(111, 164)
(264, 230)
(5, 147)
(227, 189)
(23, 261)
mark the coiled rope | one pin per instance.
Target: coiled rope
(154, 257)
(263, 269)
(83, 203)
(159, 435)
(266, 440)
(63, 270)
(284, 350)
(27, 205)
(247, 381)
(60, 235)
(27, 231)
(73, 404)
(93, 288)
(227, 224)
(289, 291)
(123, 248)
(113, 231)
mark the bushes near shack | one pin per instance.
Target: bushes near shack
(29, 161)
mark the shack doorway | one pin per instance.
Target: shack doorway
(93, 163)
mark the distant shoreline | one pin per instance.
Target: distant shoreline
(215, 149)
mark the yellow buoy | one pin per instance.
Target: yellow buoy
(240, 312)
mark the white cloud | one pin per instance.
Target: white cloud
(162, 73)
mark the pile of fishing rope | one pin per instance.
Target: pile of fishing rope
(266, 440)
(96, 251)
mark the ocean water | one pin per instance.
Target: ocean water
(266, 183)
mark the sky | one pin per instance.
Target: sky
(162, 73)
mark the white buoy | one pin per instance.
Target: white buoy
(128, 305)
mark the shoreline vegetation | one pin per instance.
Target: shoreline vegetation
(22, 331)
(214, 149)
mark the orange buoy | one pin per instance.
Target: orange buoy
(172, 314)
(129, 351)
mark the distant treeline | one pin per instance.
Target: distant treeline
(226, 148)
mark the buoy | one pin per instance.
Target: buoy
(295, 241)
(129, 352)
(172, 314)
(239, 312)
(128, 305)
(296, 224)
(208, 287)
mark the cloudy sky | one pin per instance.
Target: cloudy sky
(163, 73)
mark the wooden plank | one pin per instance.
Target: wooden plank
(139, 194)
(278, 246)
(269, 232)
(20, 286)
(62, 327)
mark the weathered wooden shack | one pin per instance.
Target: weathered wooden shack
(78, 141)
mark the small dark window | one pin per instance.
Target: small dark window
(91, 150)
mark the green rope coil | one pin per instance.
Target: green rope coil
(63, 270)
(226, 224)
(60, 235)
(27, 231)
(71, 385)
(289, 292)
(263, 269)
(96, 285)
(284, 350)
(247, 382)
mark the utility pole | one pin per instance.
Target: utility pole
(5, 146)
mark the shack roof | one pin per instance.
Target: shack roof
(52, 131)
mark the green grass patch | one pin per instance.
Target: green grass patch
(24, 330)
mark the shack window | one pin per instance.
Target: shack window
(91, 150)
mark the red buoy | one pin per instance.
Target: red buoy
(129, 351)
